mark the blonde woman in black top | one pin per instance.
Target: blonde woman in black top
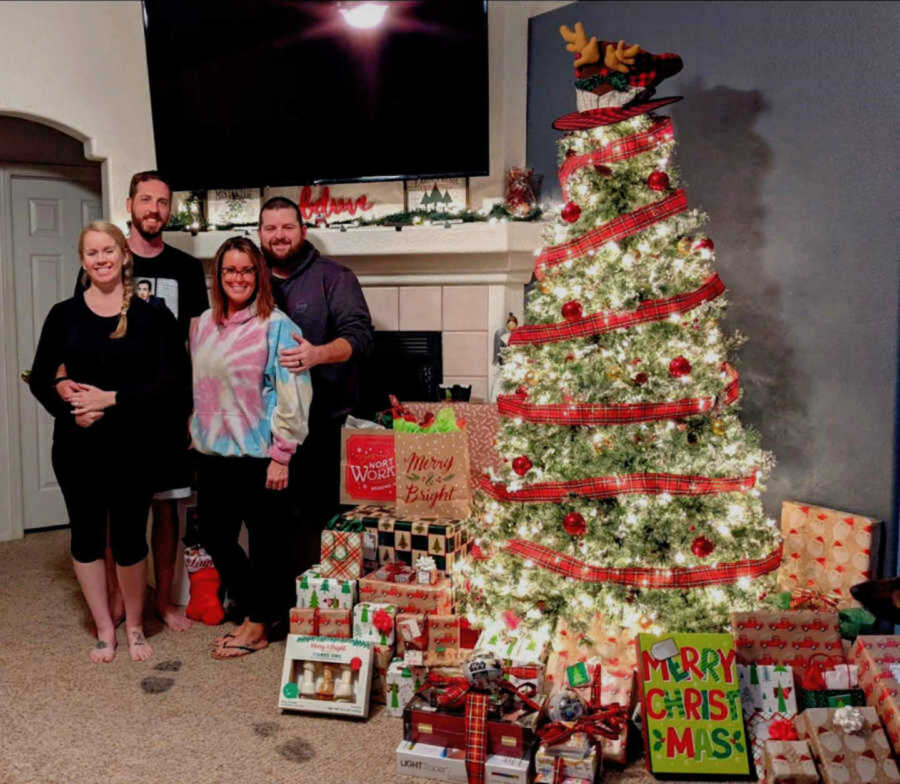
(122, 354)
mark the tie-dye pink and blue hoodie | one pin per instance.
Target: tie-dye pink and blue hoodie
(245, 403)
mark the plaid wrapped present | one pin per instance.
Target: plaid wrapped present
(342, 549)
(313, 622)
(387, 538)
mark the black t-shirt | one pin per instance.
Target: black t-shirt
(176, 280)
(142, 367)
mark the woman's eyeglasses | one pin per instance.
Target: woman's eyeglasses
(233, 272)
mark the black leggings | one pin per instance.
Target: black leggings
(99, 485)
(232, 490)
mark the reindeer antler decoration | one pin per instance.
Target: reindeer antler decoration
(617, 57)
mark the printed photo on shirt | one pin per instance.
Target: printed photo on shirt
(159, 292)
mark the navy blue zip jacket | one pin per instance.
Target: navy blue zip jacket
(325, 299)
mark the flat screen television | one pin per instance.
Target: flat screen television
(248, 93)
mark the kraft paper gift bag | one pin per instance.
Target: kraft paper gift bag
(433, 474)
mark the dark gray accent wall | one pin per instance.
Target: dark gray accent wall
(789, 138)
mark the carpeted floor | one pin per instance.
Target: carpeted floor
(179, 717)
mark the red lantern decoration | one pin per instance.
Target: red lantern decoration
(702, 547)
(521, 465)
(574, 524)
(571, 212)
(572, 310)
(658, 181)
(679, 367)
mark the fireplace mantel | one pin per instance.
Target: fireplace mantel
(462, 281)
(464, 253)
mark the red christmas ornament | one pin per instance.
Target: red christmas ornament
(640, 379)
(704, 242)
(521, 392)
(574, 524)
(511, 620)
(572, 310)
(701, 547)
(521, 465)
(679, 367)
(658, 181)
(571, 212)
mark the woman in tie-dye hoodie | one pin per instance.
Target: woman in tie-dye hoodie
(249, 416)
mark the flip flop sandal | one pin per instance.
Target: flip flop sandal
(247, 650)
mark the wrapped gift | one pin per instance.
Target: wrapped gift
(842, 676)
(409, 597)
(849, 745)
(763, 728)
(529, 676)
(767, 688)
(614, 647)
(382, 655)
(578, 765)
(875, 656)
(326, 675)
(482, 423)
(402, 683)
(826, 550)
(342, 549)
(795, 637)
(789, 762)
(520, 647)
(412, 637)
(387, 538)
(374, 623)
(314, 589)
(442, 648)
(314, 622)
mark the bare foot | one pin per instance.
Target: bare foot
(105, 649)
(138, 646)
(173, 618)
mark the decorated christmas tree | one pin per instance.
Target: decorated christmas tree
(629, 485)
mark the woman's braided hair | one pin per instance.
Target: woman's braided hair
(115, 232)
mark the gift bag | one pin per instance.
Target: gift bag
(342, 549)
(433, 474)
(368, 474)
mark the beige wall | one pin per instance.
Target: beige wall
(80, 67)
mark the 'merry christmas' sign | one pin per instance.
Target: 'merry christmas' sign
(691, 705)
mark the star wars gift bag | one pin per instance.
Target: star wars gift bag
(433, 474)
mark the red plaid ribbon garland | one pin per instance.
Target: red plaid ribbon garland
(644, 577)
(598, 323)
(476, 736)
(658, 133)
(342, 554)
(616, 229)
(590, 414)
(624, 484)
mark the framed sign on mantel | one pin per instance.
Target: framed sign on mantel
(437, 194)
(233, 206)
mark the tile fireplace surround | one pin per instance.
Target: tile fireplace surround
(461, 281)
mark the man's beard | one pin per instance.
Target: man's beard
(290, 261)
(147, 235)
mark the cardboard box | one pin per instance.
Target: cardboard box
(427, 761)
(321, 623)
(827, 550)
(848, 758)
(388, 538)
(317, 670)
(327, 593)
(876, 655)
(794, 637)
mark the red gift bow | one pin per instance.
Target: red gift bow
(382, 621)
(457, 690)
(783, 729)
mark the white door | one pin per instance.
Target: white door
(47, 216)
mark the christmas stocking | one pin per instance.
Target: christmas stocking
(204, 604)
